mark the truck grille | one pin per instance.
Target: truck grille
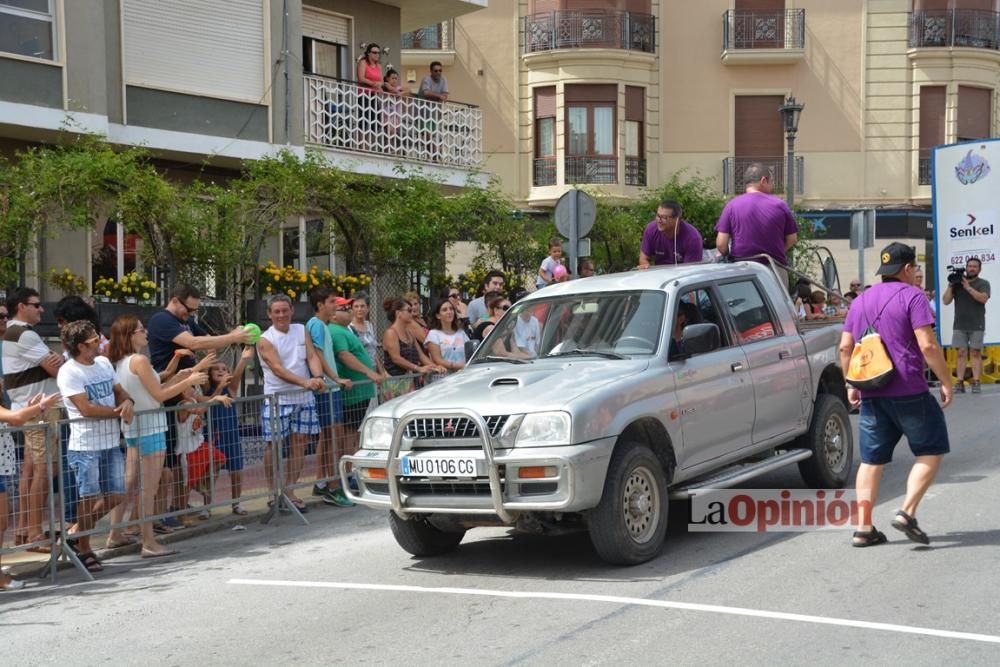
(457, 427)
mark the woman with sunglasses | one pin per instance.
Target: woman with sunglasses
(402, 352)
(496, 305)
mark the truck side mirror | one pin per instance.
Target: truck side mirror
(699, 339)
(470, 348)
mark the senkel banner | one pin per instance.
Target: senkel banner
(966, 215)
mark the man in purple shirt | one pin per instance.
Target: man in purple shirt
(897, 309)
(668, 239)
(756, 222)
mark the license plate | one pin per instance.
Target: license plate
(438, 466)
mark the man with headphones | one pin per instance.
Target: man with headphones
(670, 240)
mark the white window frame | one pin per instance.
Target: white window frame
(49, 17)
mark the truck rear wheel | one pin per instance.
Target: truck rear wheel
(831, 441)
(420, 538)
(629, 524)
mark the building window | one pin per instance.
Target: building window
(325, 58)
(306, 245)
(635, 141)
(27, 28)
(433, 37)
(591, 133)
(590, 129)
(114, 253)
(760, 137)
(545, 136)
(975, 117)
(932, 103)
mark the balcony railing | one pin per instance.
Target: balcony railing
(582, 169)
(924, 170)
(433, 37)
(342, 115)
(955, 27)
(762, 29)
(733, 169)
(545, 171)
(589, 29)
(635, 171)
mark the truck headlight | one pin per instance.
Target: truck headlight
(377, 433)
(541, 429)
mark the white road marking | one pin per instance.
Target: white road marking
(639, 602)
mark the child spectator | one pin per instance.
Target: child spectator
(547, 271)
(226, 423)
(35, 407)
(196, 456)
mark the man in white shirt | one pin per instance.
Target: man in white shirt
(293, 371)
(94, 402)
(29, 368)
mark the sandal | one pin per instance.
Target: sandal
(868, 538)
(238, 510)
(907, 524)
(300, 505)
(118, 544)
(89, 561)
(41, 548)
(161, 529)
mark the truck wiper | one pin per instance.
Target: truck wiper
(581, 352)
(497, 357)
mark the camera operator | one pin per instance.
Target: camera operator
(970, 293)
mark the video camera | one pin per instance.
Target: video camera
(956, 275)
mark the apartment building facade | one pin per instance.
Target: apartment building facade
(217, 82)
(618, 95)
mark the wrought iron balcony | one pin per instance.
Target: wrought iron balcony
(748, 29)
(344, 116)
(924, 170)
(582, 169)
(635, 171)
(433, 37)
(545, 171)
(973, 28)
(589, 29)
(733, 169)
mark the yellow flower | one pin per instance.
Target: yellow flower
(290, 293)
(107, 292)
(268, 288)
(145, 295)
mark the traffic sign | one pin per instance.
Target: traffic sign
(586, 213)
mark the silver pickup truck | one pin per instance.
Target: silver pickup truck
(592, 403)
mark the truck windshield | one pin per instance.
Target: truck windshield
(611, 325)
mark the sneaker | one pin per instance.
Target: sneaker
(321, 491)
(172, 523)
(338, 498)
(959, 387)
(204, 515)
(976, 387)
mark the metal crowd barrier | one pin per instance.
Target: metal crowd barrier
(263, 447)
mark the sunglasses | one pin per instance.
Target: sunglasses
(453, 296)
(36, 304)
(436, 71)
(344, 309)
(505, 307)
(4, 316)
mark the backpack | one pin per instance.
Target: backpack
(871, 366)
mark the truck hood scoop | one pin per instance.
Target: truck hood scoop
(506, 382)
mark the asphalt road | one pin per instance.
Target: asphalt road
(340, 592)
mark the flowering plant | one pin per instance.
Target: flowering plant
(132, 288)
(67, 282)
(293, 282)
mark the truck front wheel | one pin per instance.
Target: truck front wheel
(420, 538)
(831, 441)
(629, 524)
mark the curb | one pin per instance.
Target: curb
(35, 570)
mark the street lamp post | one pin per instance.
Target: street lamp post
(791, 111)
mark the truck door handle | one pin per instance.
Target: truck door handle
(784, 354)
(736, 367)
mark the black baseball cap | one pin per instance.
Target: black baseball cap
(894, 257)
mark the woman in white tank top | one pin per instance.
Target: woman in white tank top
(146, 435)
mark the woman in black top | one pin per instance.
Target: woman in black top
(401, 349)
(496, 307)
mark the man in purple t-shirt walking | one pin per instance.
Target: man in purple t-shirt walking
(897, 309)
(757, 222)
(668, 239)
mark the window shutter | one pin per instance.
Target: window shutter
(592, 92)
(759, 126)
(545, 102)
(326, 27)
(931, 117)
(974, 117)
(215, 49)
(760, 5)
(635, 107)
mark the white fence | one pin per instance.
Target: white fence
(342, 115)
